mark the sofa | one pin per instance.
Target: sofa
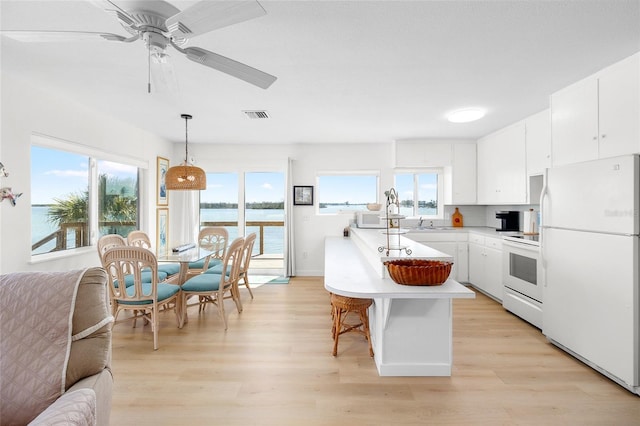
(55, 348)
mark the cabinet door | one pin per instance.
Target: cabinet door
(493, 273)
(464, 174)
(487, 177)
(619, 93)
(538, 142)
(463, 262)
(452, 250)
(574, 123)
(511, 169)
(502, 176)
(476, 265)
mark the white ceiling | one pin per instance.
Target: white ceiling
(348, 71)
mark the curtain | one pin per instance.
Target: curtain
(289, 238)
(186, 205)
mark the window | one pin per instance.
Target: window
(346, 192)
(70, 202)
(219, 202)
(420, 193)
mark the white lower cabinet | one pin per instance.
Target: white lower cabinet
(452, 243)
(485, 265)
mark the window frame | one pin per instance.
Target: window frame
(439, 171)
(94, 155)
(318, 189)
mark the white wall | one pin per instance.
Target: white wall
(26, 110)
(308, 160)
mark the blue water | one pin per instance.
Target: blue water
(273, 235)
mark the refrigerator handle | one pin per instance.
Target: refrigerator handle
(543, 195)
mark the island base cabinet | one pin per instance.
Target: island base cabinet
(412, 337)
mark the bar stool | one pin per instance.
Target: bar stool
(341, 306)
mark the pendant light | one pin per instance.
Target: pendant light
(186, 176)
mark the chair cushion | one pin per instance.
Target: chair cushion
(165, 291)
(202, 283)
(200, 263)
(218, 270)
(169, 268)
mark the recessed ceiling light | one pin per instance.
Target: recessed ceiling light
(466, 115)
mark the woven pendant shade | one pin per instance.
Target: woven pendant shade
(186, 177)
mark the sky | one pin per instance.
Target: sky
(56, 174)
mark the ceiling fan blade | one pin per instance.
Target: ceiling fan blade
(229, 66)
(57, 36)
(110, 7)
(206, 16)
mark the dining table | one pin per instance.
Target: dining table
(184, 258)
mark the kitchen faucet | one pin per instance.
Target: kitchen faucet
(420, 222)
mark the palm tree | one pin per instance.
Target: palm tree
(118, 203)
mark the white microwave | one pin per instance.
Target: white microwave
(369, 219)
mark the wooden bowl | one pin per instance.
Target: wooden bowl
(418, 271)
(374, 207)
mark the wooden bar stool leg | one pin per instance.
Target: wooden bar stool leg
(337, 318)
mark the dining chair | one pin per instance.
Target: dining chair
(142, 298)
(141, 239)
(214, 239)
(215, 288)
(114, 240)
(247, 252)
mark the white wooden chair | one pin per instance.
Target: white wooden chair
(142, 298)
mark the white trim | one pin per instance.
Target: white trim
(47, 141)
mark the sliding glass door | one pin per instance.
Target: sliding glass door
(264, 215)
(249, 202)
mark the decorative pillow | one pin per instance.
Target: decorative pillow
(91, 332)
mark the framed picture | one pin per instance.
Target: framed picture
(162, 232)
(162, 197)
(303, 195)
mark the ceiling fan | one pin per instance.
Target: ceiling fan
(160, 25)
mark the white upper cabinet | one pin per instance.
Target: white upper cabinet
(619, 113)
(598, 117)
(502, 173)
(538, 142)
(463, 174)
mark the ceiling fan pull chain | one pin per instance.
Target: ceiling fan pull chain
(149, 70)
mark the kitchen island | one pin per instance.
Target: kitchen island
(411, 326)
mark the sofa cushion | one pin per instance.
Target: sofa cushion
(36, 311)
(91, 328)
(77, 408)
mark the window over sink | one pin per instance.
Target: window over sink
(420, 192)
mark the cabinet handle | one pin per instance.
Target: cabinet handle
(604, 135)
(595, 138)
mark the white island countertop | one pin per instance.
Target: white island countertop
(349, 273)
(411, 326)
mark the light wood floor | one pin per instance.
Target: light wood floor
(273, 366)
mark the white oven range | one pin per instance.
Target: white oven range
(522, 277)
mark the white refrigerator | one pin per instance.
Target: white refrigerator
(589, 252)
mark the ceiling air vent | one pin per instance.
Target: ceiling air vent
(256, 114)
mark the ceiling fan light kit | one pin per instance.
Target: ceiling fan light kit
(186, 176)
